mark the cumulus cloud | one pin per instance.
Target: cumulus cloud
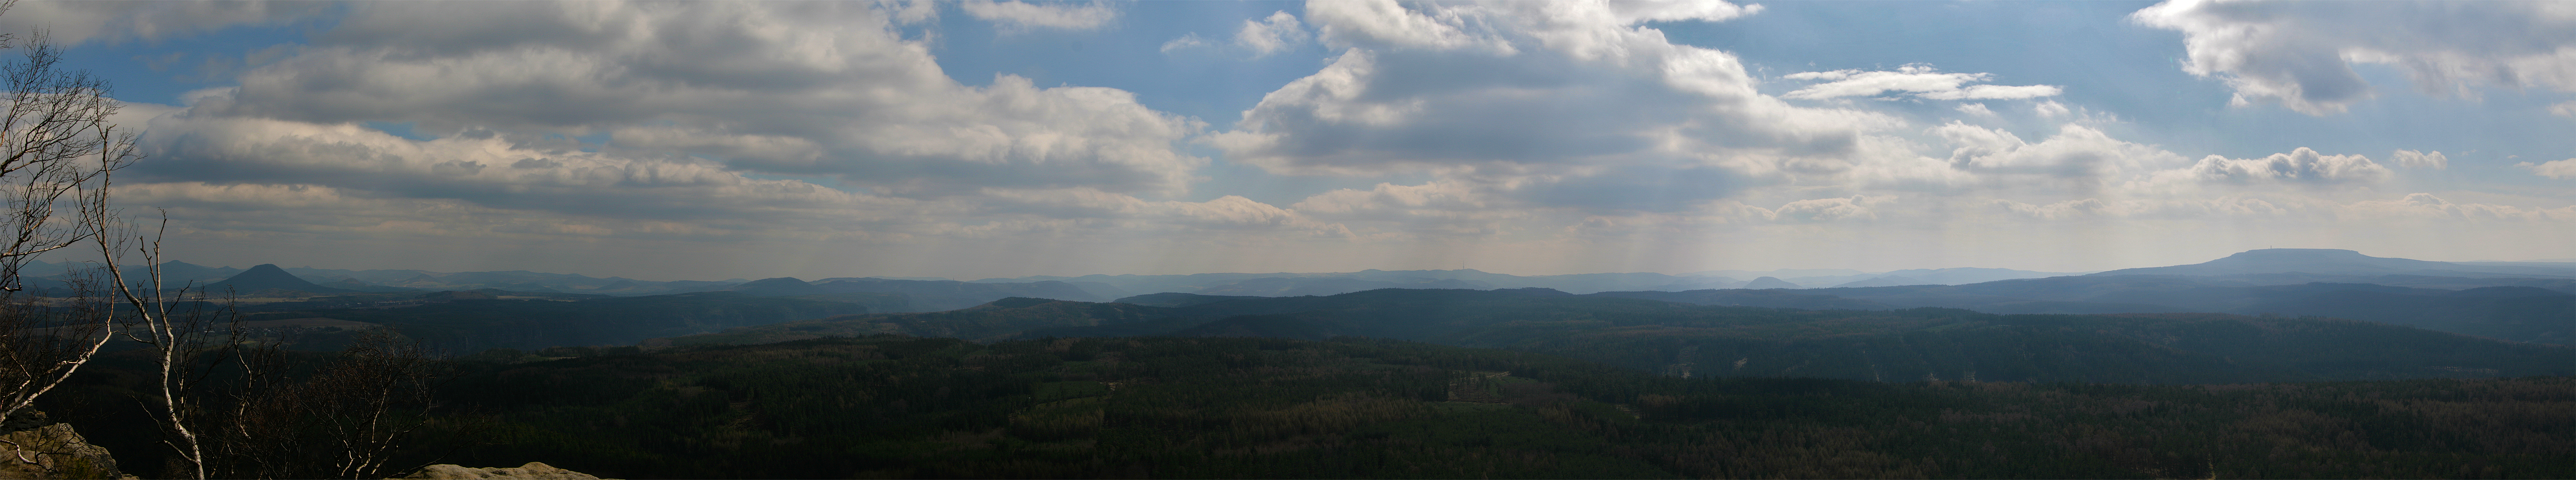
(1386, 24)
(2303, 165)
(73, 23)
(2076, 152)
(1636, 12)
(1828, 209)
(1525, 88)
(1271, 34)
(486, 170)
(2080, 161)
(1539, 126)
(2567, 109)
(1920, 81)
(2427, 206)
(2050, 109)
(2558, 169)
(722, 122)
(1058, 16)
(1450, 196)
(2301, 54)
(2415, 159)
(822, 89)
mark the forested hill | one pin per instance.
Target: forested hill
(2522, 310)
(459, 323)
(902, 407)
(1717, 341)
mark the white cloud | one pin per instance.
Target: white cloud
(1279, 31)
(72, 23)
(909, 12)
(2567, 109)
(807, 122)
(2050, 109)
(1920, 81)
(486, 170)
(1441, 195)
(1828, 209)
(1385, 23)
(822, 89)
(1983, 92)
(1542, 89)
(2303, 165)
(2076, 152)
(1190, 40)
(2427, 206)
(1059, 16)
(1629, 13)
(1567, 136)
(2301, 53)
(2415, 159)
(2558, 169)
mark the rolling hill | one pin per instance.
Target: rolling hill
(1686, 339)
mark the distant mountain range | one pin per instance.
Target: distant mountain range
(2518, 301)
(1294, 284)
(2326, 261)
(1681, 333)
(2256, 267)
(1085, 288)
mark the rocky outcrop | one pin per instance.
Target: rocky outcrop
(532, 471)
(35, 448)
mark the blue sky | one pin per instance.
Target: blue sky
(978, 139)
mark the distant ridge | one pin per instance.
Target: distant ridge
(269, 276)
(1886, 281)
(778, 287)
(1766, 283)
(2330, 261)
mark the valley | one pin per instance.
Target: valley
(2167, 373)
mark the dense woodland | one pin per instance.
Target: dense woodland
(1387, 383)
(909, 407)
(1728, 341)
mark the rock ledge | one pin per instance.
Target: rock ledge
(53, 451)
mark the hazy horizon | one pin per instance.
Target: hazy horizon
(291, 265)
(970, 140)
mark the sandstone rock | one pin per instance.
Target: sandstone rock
(53, 451)
(531, 471)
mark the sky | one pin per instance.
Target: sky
(707, 140)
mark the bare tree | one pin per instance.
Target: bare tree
(183, 337)
(347, 419)
(58, 154)
(368, 402)
(57, 148)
